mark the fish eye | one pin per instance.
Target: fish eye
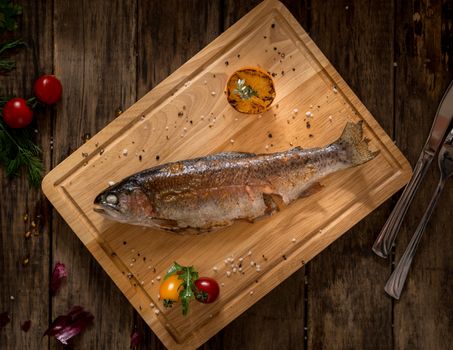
(111, 199)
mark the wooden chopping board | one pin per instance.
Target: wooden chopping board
(187, 116)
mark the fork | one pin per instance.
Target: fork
(395, 283)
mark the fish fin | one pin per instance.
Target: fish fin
(166, 224)
(356, 147)
(274, 202)
(314, 188)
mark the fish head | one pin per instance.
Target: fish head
(125, 203)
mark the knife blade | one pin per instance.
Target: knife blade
(442, 120)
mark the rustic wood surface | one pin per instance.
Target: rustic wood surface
(150, 128)
(397, 58)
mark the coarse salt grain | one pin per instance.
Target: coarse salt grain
(251, 292)
(152, 281)
(228, 273)
(142, 283)
(205, 82)
(252, 263)
(111, 183)
(232, 141)
(222, 284)
(308, 114)
(334, 89)
(12, 297)
(293, 240)
(241, 259)
(215, 269)
(151, 305)
(295, 110)
(235, 269)
(249, 253)
(330, 118)
(158, 278)
(213, 93)
(267, 147)
(157, 311)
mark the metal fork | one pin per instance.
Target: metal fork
(396, 281)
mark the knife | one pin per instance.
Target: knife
(442, 120)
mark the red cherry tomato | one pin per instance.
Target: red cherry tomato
(48, 89)
(16, 113)
(208, 288)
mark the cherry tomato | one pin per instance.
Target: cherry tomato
(208, 288)
(169, 289)
(16, 113)
(48, 89)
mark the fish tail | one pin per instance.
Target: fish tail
(355, 145)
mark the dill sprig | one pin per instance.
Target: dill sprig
(17, 150)
(7, 64)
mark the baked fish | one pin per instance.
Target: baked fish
(210, 192)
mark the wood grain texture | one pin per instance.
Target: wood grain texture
(162, 48)
(96, 62)
(158, 124)
(27, 284)
(360, 46)
(181, 28)
(424, 43)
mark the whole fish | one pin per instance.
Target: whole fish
(210, 192)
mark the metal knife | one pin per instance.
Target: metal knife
(442, 120)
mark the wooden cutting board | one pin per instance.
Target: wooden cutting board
(187, 116)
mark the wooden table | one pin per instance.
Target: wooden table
(397, 57)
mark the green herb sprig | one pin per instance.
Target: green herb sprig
(243, 90)
(7, 64)
(188, 290)
(17, 150)
(8, 12)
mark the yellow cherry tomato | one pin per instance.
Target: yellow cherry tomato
(170, 288)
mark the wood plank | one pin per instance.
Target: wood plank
(345, 294)
(27, 284)
(95, 57)
(256, 328)
(169, 33)
(423, 47)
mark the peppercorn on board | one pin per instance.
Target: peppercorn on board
(187, 116)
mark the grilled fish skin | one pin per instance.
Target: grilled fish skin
(206, 193)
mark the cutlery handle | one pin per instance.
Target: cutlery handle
(388, 234)
(395, 283)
